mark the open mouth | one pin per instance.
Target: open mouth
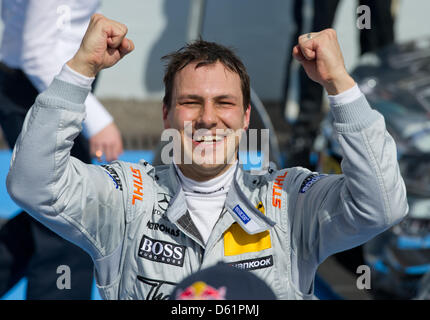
(208, 139)
(207, 147)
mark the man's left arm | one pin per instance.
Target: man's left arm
(336, 212)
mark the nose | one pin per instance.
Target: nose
(208, 116)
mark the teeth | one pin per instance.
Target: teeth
(208, 138)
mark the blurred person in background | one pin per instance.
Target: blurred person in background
(38, 38)
(310, 99)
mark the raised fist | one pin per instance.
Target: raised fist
(320, 55)
(103, 45)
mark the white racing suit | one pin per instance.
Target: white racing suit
(133, 220)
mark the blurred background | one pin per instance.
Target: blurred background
(261, 33)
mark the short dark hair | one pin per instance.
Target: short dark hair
(205, 53)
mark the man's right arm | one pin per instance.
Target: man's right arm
(83, 203)
(70, 197)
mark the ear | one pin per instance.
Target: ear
(247, 117)
(166, 121)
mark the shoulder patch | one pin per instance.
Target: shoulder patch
(309, 181)
(114, 176)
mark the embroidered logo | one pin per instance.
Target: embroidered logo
(114, 176)
(158, 290)
(161, 227)
(253, 264)
(309, 181)
(137, 185)
(241, 214)
(277, 185)
(162, 251)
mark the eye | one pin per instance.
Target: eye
(189, 103)
(226, 103)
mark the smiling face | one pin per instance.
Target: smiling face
(210, 99)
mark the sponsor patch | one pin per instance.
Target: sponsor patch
(162, 251)
(253, 264)
(241, 214)
(309, 181)
(238, 241)
(114, 176)
(161, 227)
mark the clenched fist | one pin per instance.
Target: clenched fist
(320, 55)
(103, 45)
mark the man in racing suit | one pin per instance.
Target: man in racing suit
(137, 222)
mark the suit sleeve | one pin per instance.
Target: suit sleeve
(82, 203)
(333, 213)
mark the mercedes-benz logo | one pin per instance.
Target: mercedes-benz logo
(163, 201)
